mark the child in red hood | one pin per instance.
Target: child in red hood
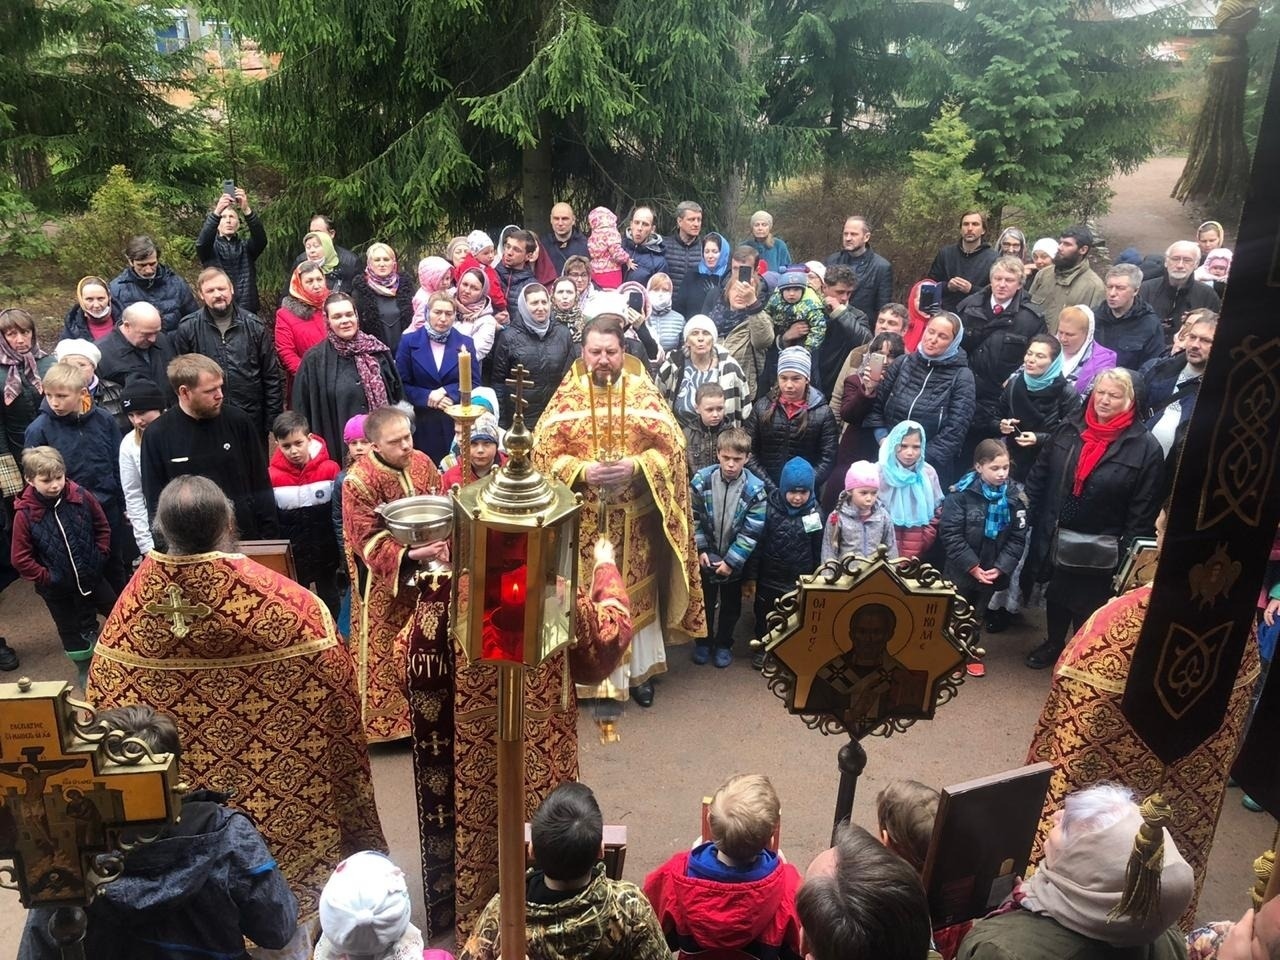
(734, 893)
(302, 476)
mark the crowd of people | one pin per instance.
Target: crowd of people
(1015, 420)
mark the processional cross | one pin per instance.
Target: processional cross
(178, 609)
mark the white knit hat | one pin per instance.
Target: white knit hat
(364, 908)
(78, 348)
(603, 302)
(478, 240)
(698, 321)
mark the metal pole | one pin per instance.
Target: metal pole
(852, 760)
(511, 810)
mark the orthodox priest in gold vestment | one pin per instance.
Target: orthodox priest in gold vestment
(608, 433)
(263, 691)
(381, 604)
(1084, 733)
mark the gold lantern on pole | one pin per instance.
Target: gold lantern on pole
(515, 558)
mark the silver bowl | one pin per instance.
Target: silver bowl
(418, 521)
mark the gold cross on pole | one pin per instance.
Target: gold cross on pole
(178, 609)
(517, 381)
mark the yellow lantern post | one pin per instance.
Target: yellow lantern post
(515, 558)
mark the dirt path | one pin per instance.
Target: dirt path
(1143, 215)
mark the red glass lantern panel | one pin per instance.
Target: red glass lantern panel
(505, 596)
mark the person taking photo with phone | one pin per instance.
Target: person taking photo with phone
(220, 243)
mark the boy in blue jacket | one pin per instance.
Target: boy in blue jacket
(729, 509)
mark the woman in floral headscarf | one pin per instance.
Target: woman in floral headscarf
(22, 367)
(383, 298)
(300, 319)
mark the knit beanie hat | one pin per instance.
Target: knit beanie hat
(478, 240)
(861, 475)
(795, 360)
(1046, 245)
(816, 266)
(485, 428)
(698, 322)
(797, 474)
(603, 302)
(1130, 255)
(77, 348)
(793, 278)
(140, 395)
(354, 428)
(364, 908)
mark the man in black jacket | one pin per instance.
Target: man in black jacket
(874, 274)
(564, 240)
(1176, 292)
(847, 326)
(648, 254)
(138, 348)
(1126, 323)
(1171, 384)
(683, 250)
(999, 321)
(219, 244)
(240, 343)
(963, 267)
(349, 264)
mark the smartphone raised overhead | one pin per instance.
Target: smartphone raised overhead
(229, 187)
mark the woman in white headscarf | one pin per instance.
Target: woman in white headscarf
(1082, 357)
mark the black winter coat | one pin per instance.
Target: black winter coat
(875, 279)
(775, 438)
(557, 253)
(122, 362)
(1160, 388)
(1121, 497)
(236, 256)
(254, 381)
(1172, 304)
(90, 446)
(682, 264)
(962, 530)
(546, 360)
(937, 394)
(513, 281)
(371, 321)
(845, 331)
(1136, 337)
(952, 261)
(166, 291)
(996, 346)
(786, 551)
(76, 324)
(106, 395)
(66, 536)
(650, 258)
(1039, 412)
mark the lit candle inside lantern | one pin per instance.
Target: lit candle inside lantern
(514, 587)
(464, 374)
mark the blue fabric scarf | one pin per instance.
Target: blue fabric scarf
(905, 492)
(1046, 379)
(997, 503)
(436, 335)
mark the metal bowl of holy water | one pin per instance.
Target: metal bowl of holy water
(418, 521)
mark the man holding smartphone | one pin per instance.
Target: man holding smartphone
(219, 243)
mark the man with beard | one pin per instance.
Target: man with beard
(381, 605)
(609, 434)
(249, 665)
(1171, 385)
(963, 267)
(648, 255)
(205, 437)
(1071, 281)
(234, 337)
(565, 239)
(220, 245)
(1176, 292)
(1125, 323)
(874, 274)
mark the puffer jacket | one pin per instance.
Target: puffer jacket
(996, 346)
(937, 394)
(787, 550)
(166, 291)
(682, 265)
(748, 516)
(254, 382)
(60, 545)
(963, 532)
(546, 360)
(1134, 338)
(812, 434)
(75, 326)
(236, 256)
(90, 444)
(847, 532)
(304, 506)
(106, 395)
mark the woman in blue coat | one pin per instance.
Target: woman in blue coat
(427, 359)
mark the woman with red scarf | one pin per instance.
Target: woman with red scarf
(384, 299)
(300, 320)
(1100, 474)
(345, 374)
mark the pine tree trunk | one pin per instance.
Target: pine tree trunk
(535, 172)
(839, 106)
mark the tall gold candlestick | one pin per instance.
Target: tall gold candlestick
(608, 421)
(622, 412)
(591, 402)
(464, 374)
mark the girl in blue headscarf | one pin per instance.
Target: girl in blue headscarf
(1036, 399)
(909, 489)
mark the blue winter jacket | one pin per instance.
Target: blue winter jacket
(90, 445)
(166, 291)
(748, 517)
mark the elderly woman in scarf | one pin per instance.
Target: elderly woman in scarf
(909, 489)
(383, 299)
(22, 368)
(93, 315)
(773, 250)
(1082, 357)
(1042, 254)
(1112, 883)
(434, 274)
(701, 360)
(428, 364)
(318, 248)
(347, 373)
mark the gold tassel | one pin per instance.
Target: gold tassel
(1141, 894)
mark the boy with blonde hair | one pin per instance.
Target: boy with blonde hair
(61, 542)
(733, 892)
